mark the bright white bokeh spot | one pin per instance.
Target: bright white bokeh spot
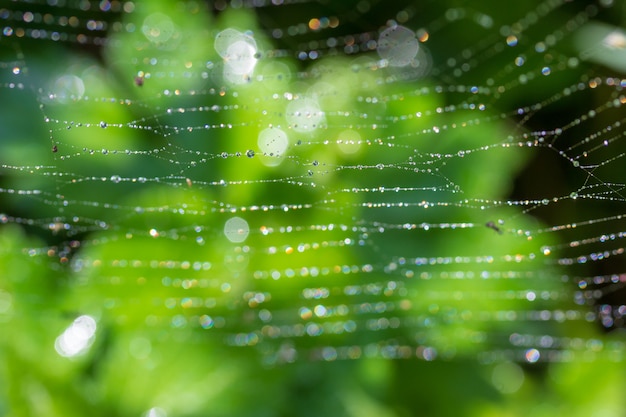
(398, 46)
(532, 355)
(507, 377)
(236, 229)
(273, 142)
(240, 57)
(155, 412)
(304, 115)
(158, 28)
(224, 39)
(68, 88)
(615, 40)
(349, 141)
(77, 338)
(239, 52)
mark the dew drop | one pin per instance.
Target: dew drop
(532, 355)
(511, 40)
(250, 153)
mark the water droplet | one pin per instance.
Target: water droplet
(103, 125)
(116, 179)
(511, 40)
(532, 355)
(250, 153)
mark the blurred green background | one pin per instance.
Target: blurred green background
(353, 283)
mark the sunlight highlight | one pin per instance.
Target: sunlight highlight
(239, 51)
(77, 338)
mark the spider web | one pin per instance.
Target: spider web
(424, 182)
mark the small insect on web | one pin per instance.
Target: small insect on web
(493, 226)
